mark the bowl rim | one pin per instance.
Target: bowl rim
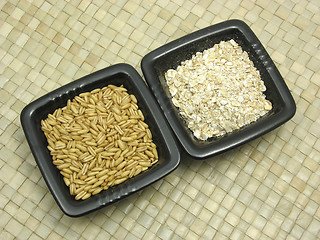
(200, 152)
(82, 207)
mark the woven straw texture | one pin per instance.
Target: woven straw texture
(268, 188)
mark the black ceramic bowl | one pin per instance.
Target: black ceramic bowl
(163, 137)
(156, 63)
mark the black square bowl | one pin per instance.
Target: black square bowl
(32, 114)
(156, 63)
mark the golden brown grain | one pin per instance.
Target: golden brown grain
(72, 188)
(98, 140)
(66, 181)
(80, 195)
(96, 191)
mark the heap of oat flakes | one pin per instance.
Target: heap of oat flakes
(218, 90)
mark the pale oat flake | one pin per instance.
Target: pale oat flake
(218, 90)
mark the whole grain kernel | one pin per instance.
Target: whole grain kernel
(118, 181)
(104, 177)
(92, 164)
(72, 188)
(99, 140)
(97, 190)
(66, 181)
(87, 188)
(80, 195)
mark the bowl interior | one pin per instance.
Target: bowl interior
(49, 103)
(173, 58)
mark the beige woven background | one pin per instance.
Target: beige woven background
(266, 189)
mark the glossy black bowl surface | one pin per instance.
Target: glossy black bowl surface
(156, 63)
(120, 74)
